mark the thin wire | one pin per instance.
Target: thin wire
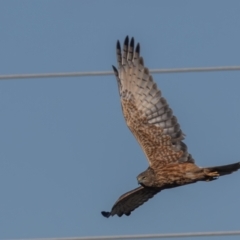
(148, 236)
(106, 73)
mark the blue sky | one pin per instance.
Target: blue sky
(65, 151)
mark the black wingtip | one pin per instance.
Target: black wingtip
(126, 41)
(138, 48)
(132, 42)
(118, 45)
(106, 214)
(114, 69)
(128, 213)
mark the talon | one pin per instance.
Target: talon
(212, 176)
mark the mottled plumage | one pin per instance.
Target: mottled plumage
(158, 132)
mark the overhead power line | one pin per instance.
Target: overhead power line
(148, 236)
(106, 73)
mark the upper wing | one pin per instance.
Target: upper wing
(145, 110)
(131, 200)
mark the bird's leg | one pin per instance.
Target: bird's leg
(211, 176)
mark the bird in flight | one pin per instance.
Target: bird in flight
(158, 132)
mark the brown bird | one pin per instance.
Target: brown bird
(157, 130)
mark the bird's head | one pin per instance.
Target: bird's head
(146, 178)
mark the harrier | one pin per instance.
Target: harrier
(157, 130)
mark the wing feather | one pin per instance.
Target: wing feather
(131, 200)
(146, 112)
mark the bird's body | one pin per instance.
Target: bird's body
(173, 175)
(158, 132)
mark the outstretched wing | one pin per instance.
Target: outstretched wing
(146, 112)
(131, 200)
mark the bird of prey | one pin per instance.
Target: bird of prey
(158, 132)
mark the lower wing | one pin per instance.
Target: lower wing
(131, 200)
